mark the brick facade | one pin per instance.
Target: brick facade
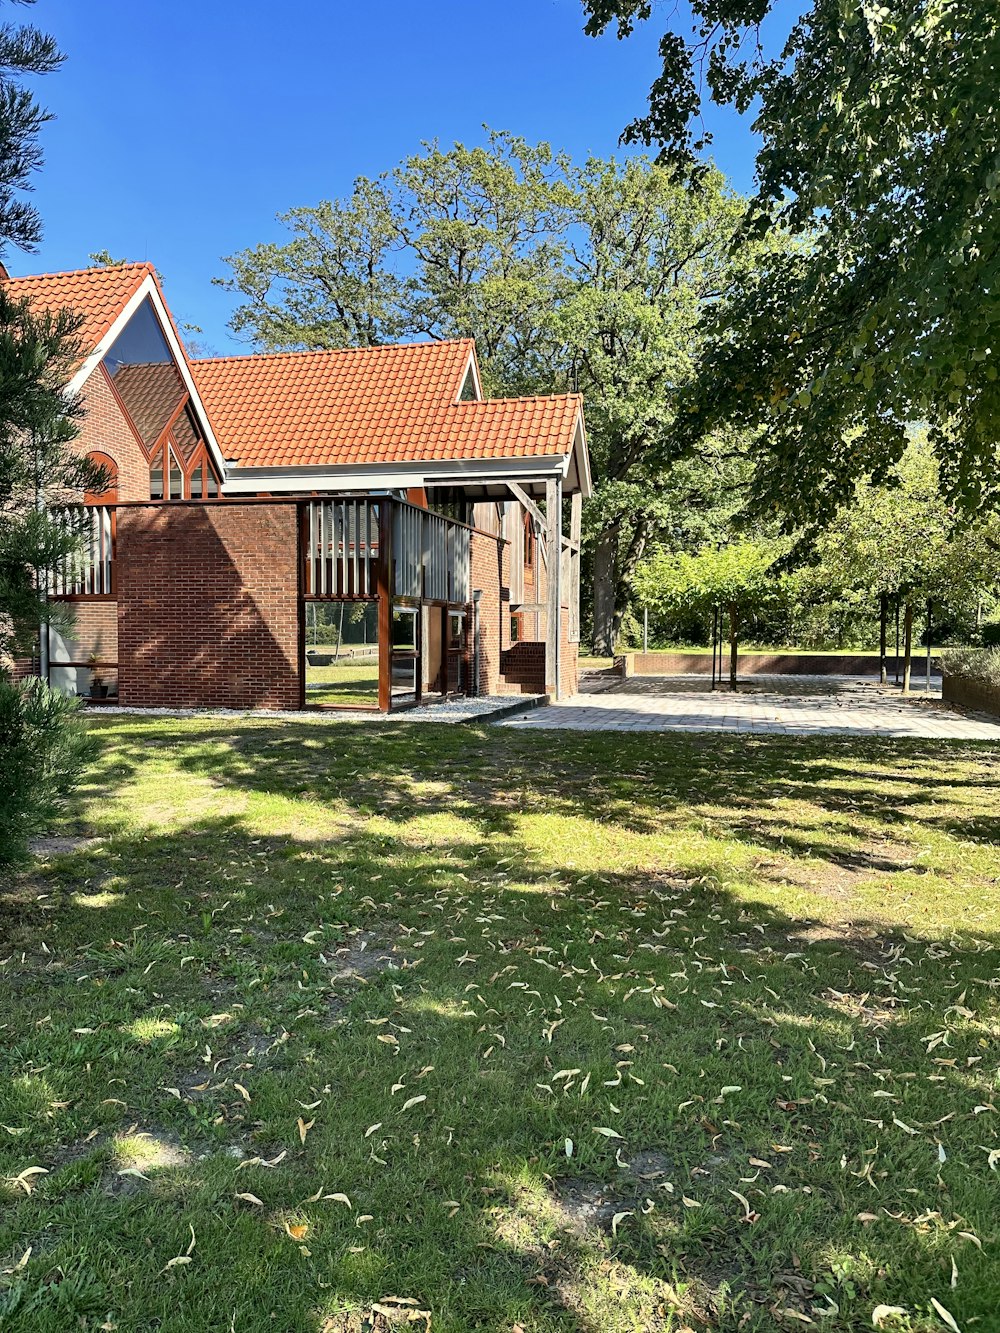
(487, 575)
(523, 664)
(209, 606)
(105, 429)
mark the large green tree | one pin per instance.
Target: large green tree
(592, 276)
(880, 145)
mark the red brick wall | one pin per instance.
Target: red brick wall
(105, 429)
(569, 660)
(208, 606)
(523, 666)
(494, 608)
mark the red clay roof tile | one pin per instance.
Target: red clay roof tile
(356, 406)
(97, 294)
(372, 405)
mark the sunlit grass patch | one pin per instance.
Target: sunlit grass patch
(602, 1032)
(148, 1029)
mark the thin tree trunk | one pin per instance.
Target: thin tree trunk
(605, 609)
(883, 624)
(907, 645)
(734, 631)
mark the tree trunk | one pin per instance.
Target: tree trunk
(883, 624)
(907, 645)
(734, 630)
(605, 609)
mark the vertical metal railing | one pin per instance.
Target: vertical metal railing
(341, 548)
(430, 553)
(88, 570)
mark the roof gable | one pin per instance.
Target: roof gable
(106, 298)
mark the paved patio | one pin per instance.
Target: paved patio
(786, 706)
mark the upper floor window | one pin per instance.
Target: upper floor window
(171, 477)
(529, 542)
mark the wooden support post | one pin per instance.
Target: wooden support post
(553, 592)
(575, 536)
(384, 584)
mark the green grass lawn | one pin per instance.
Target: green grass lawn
(343, 683)
(336, 1026)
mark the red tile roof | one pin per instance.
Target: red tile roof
(98, 294)
(360, 405)
(371, 405)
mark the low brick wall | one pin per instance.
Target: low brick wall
(765, 664)
(522, 668)
(974, 694)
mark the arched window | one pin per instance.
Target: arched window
(529, 542)
(109, 467)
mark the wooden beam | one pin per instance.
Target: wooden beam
(575, 545)
(553, 598)
(521, 495)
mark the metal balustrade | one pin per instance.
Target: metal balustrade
(342, 548)
(88, 571)
(430, 553)
(430, 556)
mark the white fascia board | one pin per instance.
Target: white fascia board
(582, 454)
(148, 288)
(391, 476)
(471, 364)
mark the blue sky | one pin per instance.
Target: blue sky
(182, 128)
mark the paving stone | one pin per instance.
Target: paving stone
(793, 706)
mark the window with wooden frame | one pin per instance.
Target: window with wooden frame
(529, 541)
(149, 386)
(195, 480)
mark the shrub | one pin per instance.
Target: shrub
(990, 635)
(979, 664)
(43, 749)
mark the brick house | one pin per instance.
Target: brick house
(357, 528)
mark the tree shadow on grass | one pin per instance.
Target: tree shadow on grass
(710, 1031)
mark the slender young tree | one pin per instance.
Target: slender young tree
(41, 747)
(738, 578)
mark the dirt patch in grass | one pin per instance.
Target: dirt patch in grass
(365, 956)
(650, 1165)
(586, 1206)
(385, 1315)
(59, 845)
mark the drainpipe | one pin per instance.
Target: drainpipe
(476, 641)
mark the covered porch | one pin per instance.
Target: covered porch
(345, 601)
